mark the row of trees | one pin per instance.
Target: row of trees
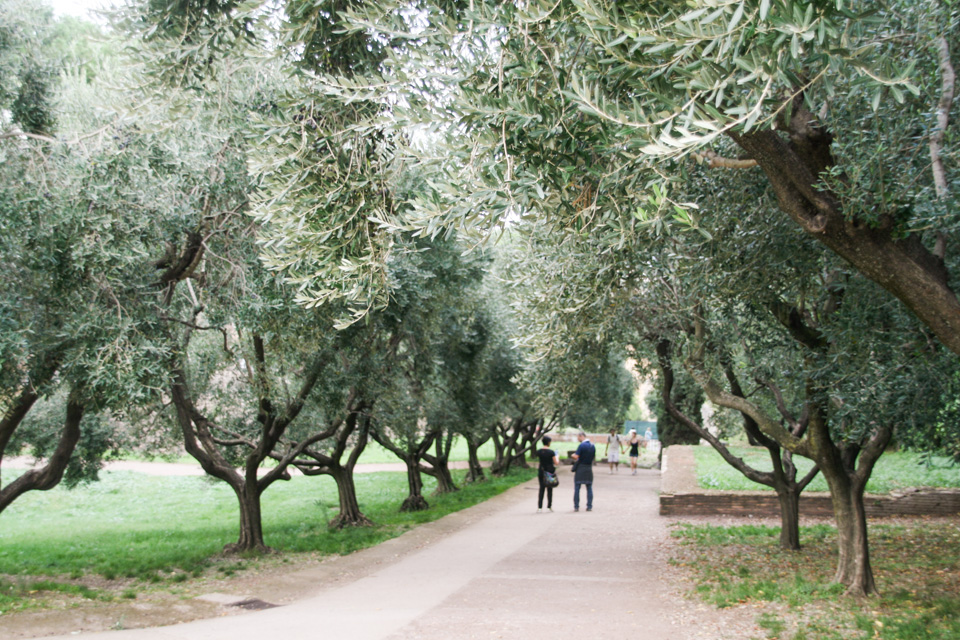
(770, 270)
(756, 197)
(138, 311)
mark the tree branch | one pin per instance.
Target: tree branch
(713, 160)
(943, 116)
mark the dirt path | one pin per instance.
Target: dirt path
(497, 570)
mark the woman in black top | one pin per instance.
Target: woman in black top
(548, 462)
(634, 443)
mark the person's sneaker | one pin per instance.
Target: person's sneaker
(539, 510)
(550, 509)
(575, 509)
(589, 508)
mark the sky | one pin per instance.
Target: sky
(78, 8)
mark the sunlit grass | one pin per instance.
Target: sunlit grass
(169, 528)
(894, 470)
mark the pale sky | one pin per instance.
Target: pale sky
(79, 8)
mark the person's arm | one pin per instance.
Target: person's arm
(556, 460)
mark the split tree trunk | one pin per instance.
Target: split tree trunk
(789, 498)
(445, 482)
(350, 514)
(440, 465)
(853, 565)
(474, 468)
(415, 500)
(251, 524)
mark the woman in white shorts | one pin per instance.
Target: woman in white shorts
(613, 457)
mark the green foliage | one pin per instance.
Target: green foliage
(27, 72)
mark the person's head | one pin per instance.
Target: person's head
(613, 431)
(546, 441)
(581, 436)
(633, 432)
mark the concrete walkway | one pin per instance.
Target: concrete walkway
(497, 570)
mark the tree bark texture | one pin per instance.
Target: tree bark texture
(350, 514)
(440, 464)
(200, 443)
(474, 468)
(789, 500)
(48, 476)
(251, 523)
(793, 163)
(415, 500)
(846, 470)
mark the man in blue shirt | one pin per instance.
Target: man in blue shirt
(583, 470)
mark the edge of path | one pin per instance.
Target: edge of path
(275, 586)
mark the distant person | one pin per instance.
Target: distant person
(613, 457)
(548, 463)
(648, 435)
(634, 442)
(583, 470)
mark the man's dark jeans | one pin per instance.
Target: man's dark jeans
(576, 494)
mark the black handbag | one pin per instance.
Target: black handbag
(550, 479)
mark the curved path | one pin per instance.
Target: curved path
(496, 570)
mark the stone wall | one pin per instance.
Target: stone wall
(919, 502)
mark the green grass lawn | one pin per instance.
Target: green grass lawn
(916, 565)
(156, 528)
(894, 470)
(372, 454)
(375, 454)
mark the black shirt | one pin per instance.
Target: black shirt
(546, 457)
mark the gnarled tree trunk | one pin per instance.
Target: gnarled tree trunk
(474, 468)
(440, 464)
(794, 160)
(783, 477)
(350, 514)
(251, 523)
(48, 476)
(415, 500)
(846, 471)
(789, 500)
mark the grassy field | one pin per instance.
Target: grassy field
(917, 568)
(372, 454)
(168, 529)
(375, 454)
(894, 470)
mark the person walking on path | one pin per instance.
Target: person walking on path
(613, 457)
(583, 470)
(634, 443)
(548, 464)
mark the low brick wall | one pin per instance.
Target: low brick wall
(930, 502)
(757, 504)
(678, 497)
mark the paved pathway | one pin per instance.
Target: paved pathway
(497, 570)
